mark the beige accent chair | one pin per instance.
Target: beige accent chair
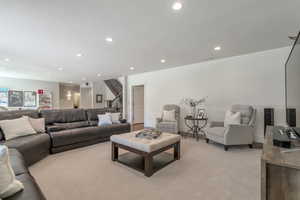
(169, 126)
(242, 134)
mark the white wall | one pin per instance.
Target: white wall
(99, 88)
(32, 85)
(256, 79)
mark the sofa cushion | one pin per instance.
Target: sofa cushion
(63, 116)
(17, 162)
(74, 115)
(32, 147)
(114, 128)
(31, 189)
(54, 128)
(93, 123)
(72, 125)
(17, 114)
(73, 136)
(52, 116)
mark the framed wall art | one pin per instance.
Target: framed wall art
(45, 99)
(99, 98)
(4, 98)
(30, 99)
(15, 98)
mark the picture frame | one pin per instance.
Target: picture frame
(99, 98)
(45, 100)
(15, 98)
(30, 99)
(4, 98)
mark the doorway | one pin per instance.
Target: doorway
(138, 104)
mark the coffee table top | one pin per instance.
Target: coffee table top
(143, 144)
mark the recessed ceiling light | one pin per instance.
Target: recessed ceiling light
(70, 81)
(60, 68)
(162, 60)
(84, 79)
(217, 48)
(131, 68)
(108, 39)
(6, 59)
(79, 55)
(98, 75)
(177, 6)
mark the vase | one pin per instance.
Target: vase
(193, 111)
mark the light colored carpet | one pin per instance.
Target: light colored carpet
(205, 172)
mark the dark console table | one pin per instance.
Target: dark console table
(196, 125)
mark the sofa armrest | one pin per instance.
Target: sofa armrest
(239, 134)
(215, 124)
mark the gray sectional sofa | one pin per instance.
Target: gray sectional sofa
(74, 128)
(65, 130)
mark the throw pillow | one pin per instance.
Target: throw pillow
(16, 128)
(168, 115)
(37, 124)
(232, 118)
(115, 117)
(104, 120)
(8, 184)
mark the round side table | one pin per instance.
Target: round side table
(196, 125)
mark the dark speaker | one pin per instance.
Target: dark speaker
(291, 117)
(268, 118)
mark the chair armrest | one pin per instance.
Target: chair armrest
(239, 134)
(215, 124)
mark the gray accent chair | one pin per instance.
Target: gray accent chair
(169, 126)
(242, 134)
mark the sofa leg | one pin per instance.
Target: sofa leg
(251, 146)
(207, 140)
(225, 148)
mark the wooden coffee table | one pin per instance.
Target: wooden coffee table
(146, 149)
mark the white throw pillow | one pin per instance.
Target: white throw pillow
(37, 124)
(8, 184)
(168, 115)
(104, 120)
(232, 118)
(16, 128)
(115, 117)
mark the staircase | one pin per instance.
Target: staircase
(117, 89)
